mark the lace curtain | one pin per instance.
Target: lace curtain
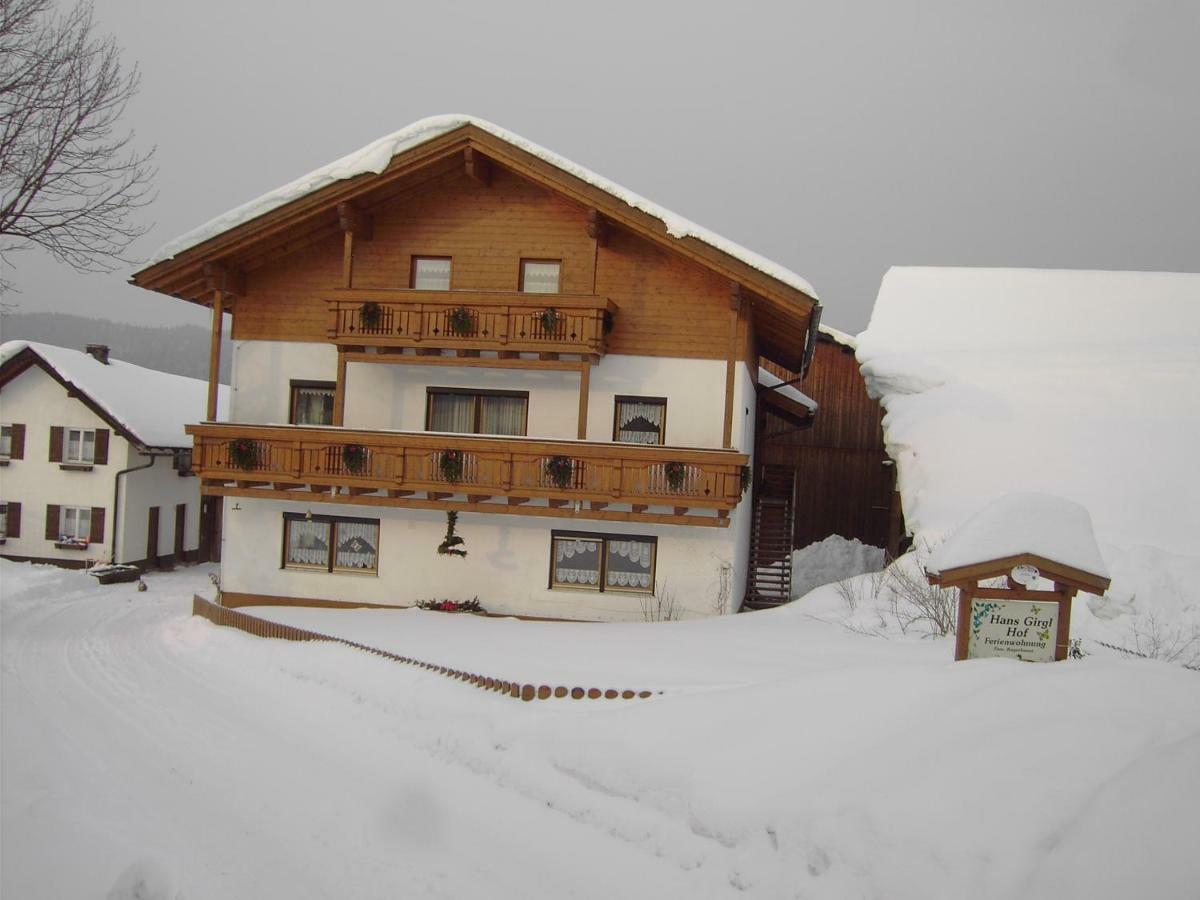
(431, 274)
(313, 406)
(308, 543)
(640, 422)
(629, 564)
(577, 561)
(357, 544)
(539, 277)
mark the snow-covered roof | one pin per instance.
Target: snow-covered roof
(838, 336)
(374, 158)
(1080, 384)
(1038, 524)
(153, 406)
(770, 381)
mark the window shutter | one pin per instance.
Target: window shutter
(100, 456)
(14, 520)
(97, 535)
(56, 446)
(52, 520)
(17, 450)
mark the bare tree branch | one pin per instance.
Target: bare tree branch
(70, 181)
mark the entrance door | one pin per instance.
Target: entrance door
(180, 529)
(210, 529)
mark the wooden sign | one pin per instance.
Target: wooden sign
(1016, 629)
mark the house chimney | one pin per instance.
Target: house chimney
(99, 352)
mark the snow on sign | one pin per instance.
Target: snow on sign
(1024, 539)
(1018, 629)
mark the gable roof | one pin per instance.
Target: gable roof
(375, 157)
(304, 211)
(1080, 384)
(145, 406)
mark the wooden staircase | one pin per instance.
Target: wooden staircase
(769, 579)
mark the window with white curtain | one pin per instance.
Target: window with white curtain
(599, 562)
(431, 273)
(5, 441)
(540, 276)
(640, 420)
(312, 402)
(75, 523)
(79, 445)
(330, 544)
(477, 412)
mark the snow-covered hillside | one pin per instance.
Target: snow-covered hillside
(149, 754)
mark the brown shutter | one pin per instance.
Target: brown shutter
(52, 521)
(56, 444)
(101, 452)
(14, 520)
(17, 450)
(97, 535)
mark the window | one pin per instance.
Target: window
(3, 520)
(75, 524)
(477, 412)
(640, 420)
(80, 445)
(330, 544)
(312, 403)
(6, 435)
(430, 273)
(540, 276)
(597, 562)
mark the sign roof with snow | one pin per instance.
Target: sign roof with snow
(147, 406)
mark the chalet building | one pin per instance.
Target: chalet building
(455, 340)
(94, 459)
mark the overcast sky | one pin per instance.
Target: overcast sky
(837, 138)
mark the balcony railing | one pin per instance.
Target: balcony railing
(397, 465)
(471, 320)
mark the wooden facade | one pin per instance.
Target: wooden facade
(845, 482)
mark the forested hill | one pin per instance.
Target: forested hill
(182, 349)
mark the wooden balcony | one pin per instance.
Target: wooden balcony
(502, 321)
(503, 475)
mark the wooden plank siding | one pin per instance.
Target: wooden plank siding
(665, 305)
(845, 484)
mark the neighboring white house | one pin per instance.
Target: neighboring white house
(94, 460)
(455, 320)
(1080, 384)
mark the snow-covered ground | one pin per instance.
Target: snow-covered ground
(150, 754)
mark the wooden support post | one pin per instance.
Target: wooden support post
(353, 222)
(339, 390)
(735, 305)
(478, 166)
(1062, 638)
(585, 377)
(348, 259)
(214, 355)
(963, 634)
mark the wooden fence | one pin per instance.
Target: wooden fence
(232, 618)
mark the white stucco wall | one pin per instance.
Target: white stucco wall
(36, 400)
(161, 486)
(381, 396)
(507, 566)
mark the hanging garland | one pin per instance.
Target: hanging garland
(460, 322)
(354, 458)
(747, 475)
(370, 314)
(549, 320)
(452, 543)
(243, 453)
(559, 469)
(675, 472)
(450, 464)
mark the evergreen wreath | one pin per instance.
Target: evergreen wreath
(747, 476)
(560, 469)
(451, 545)
(243, 453)
(370, 314)
(450, 464)
(354, 458)
(460, 322)
(675, 472)
(549, 320)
